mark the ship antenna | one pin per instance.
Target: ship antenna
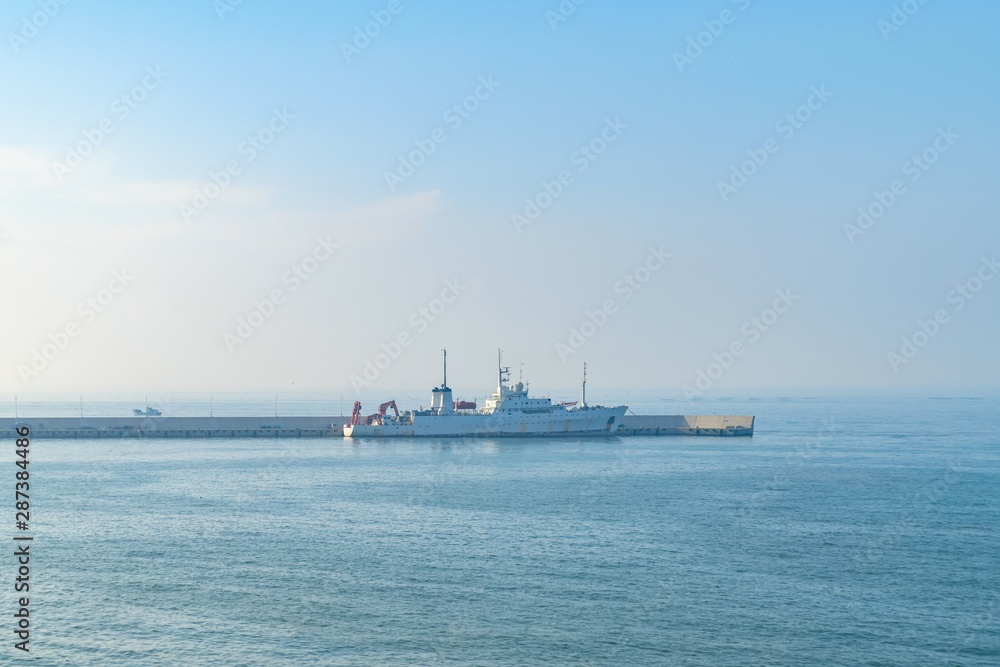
(501, 368)
(583, 387)
(445, 383)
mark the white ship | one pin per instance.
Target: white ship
(508, 412)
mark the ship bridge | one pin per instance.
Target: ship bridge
(515, 396)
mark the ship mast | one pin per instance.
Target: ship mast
(583, 387)
(501, 369)
(444, 383)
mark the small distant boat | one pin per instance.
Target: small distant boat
(148, 412)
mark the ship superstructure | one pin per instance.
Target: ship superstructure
(510, 411)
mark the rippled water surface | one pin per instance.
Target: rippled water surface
(845, 532)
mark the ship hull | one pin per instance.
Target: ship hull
(592, 421)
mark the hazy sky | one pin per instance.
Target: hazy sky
(673, 169)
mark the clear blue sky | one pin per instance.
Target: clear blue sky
(678, 135)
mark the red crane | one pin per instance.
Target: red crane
(378, 418)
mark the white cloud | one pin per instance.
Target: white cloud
(23, 168)
(388, 220)
(167, 193)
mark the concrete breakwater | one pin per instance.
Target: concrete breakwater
(313, 427)
(724, 425)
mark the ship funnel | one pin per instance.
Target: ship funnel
(441, 401)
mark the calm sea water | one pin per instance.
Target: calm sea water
(845, 532)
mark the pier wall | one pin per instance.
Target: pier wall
(315, 427)
(719, 425)
(179, 427)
